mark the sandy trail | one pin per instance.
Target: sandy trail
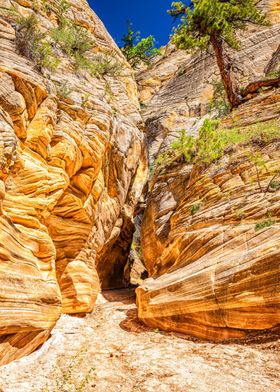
(110, 351)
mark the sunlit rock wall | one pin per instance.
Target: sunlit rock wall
(72, 169)
(176, 90)
(213, 273)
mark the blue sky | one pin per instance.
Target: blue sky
(147, 16)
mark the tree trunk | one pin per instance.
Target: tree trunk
(225, 71)
(254, 86)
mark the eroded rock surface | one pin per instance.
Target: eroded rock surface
(212, 274)
(176, 90)
(72, 168)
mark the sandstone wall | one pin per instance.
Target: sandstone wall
(70, 176)
(213, 274)
(175, 92)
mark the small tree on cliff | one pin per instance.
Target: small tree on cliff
(216, 22)
(137, 49)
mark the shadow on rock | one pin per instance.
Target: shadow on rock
(125, 296)
(133, 324)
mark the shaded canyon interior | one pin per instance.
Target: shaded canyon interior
(75, 172)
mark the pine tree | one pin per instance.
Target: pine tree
(138, 50)
(216, 22)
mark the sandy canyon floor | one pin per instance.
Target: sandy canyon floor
(110, 350)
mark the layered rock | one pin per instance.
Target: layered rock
(213, 274)
(72, 168)
(210, 238)
(176, 90)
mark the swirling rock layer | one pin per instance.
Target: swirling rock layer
(72, 169)
(210, 240)
(212, 274)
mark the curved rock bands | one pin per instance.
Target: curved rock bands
(18, 345)
(218, 296)
(210, 242)
(72, 169)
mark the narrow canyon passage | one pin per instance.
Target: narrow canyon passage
(114, 174)
(109, 350)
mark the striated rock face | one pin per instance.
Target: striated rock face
(72, 168)
(213, 272)
(175, 92)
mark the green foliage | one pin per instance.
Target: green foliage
(33, 44)
(36, 6)
(138, 50)
(163, 158)
(219, 102)
(137, 248)
(67, 375)
(275, 185)
(46, 7)
(208, 147)
(195, 208)
(104, 64)
(82, 62)
(274, 74)
(74, 41)
(63, 91)
(205, 149)
(257, 159)
(45, 57)
(85, 100)
(259, 162)
(61, 9)
(239, 213)
(152, 169)
(108, 93)
(215, 18)
(184, 145)
(209, 144)
(27, 24)
(263, 133)
(266, 223)
(212, 142)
